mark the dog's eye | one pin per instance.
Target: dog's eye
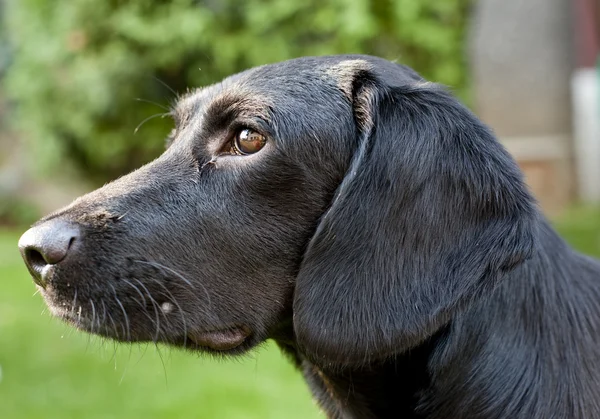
(248, 141)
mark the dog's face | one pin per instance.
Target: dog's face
(318, 196)
(202, 246)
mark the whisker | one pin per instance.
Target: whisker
(162, 361)
(178, 275)
(115, 331)
(93, 315)
(103, 313)
(155, 307)
(89, 339)
(137, 290)
(127, 326)
(142, 305)
(139, 99)
(74, 302)
(161, 266)
(126, 365)
(166, 85)
(127, 329)
(143, 353)
(114, 355)
(36, 292)
(156, 115)
(70, 331)
(174, 300)
(120, 217)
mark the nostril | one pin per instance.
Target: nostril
(35, 259)
(36, 263)
(46, 245)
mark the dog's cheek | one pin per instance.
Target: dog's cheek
(221, 251)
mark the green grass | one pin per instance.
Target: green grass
(51, 371)
(581, 228)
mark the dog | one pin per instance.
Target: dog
(360, 217)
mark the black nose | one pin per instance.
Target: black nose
(45, 245)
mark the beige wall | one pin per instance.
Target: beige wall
(521, 61)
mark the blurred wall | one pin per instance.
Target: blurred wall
(521, 58)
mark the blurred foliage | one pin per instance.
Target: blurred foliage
(83, 69)
(16, 211)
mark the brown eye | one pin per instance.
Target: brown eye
(248, 141)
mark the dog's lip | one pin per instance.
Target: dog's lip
(220, 339)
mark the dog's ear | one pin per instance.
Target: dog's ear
(431, 214)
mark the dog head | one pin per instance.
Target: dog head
(341, 198)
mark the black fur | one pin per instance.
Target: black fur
(383, 237)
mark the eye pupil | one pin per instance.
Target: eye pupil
(248, 141)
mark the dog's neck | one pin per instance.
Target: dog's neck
(387, 390)
(464, 351)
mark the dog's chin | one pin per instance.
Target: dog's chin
(229, 339)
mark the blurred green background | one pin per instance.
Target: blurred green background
(77, 77)
(84, 71)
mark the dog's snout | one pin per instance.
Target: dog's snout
(45, 245)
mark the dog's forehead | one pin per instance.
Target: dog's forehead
(306, 76)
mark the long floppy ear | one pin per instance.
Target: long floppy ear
(430, 216)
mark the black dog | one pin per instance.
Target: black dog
(360, 217)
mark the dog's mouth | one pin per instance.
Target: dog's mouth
(165, 328)
(220, 340)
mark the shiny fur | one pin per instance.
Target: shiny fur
(383, 237)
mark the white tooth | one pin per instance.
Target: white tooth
(167, 307)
